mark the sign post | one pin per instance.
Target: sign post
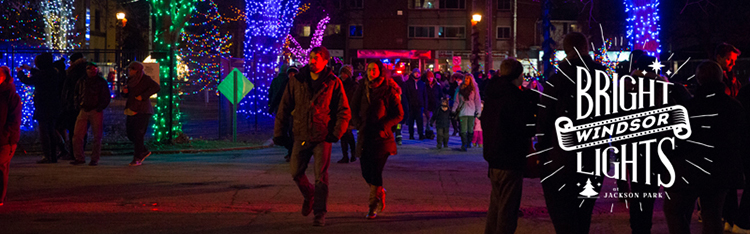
(235, 86)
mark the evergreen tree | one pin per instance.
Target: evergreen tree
(22, 24)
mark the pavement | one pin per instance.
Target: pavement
(251, 191)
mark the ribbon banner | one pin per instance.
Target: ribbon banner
(674, 118)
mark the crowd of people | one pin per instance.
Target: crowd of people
(314, 109)
(68, 100)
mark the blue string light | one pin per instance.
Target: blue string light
(643, 25)
(268, 23)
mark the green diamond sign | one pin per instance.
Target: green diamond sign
(227, 85)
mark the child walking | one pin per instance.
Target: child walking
(478, 140)
(443, 118)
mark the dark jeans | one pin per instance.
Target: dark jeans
(372, 166)
(505, 200)
(427, 115)
(347, 142)
(569, 213)
(679, 209)
(415, 114)
(6, 153)
(443, 134)
(301, 154)
(67, 122)
(82, 125)
(734, 214)
(49, 138)
(136, 126)
(642, 209)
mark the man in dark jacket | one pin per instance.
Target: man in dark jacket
(434, 93)
(277, 89)
(278, 85)
(416, 93)
(347, 140)
(726, 56)
(92, 97)
(569, 213)
(69, 113)
(710, 163)
(401, 82)
(47, 83)
(507, 132)
(321, 116)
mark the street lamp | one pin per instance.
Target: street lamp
(475, 19)
(121, 24)
(475, 43)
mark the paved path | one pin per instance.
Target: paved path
(429, 191)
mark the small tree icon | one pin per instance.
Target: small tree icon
(588, 190)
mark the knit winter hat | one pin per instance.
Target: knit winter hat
(346, 69)
(292, 69)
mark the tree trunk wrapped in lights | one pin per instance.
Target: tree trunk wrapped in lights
(171, 16)
(268, 23)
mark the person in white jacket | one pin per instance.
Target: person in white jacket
(467, 107)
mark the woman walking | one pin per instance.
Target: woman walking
(376, 108)
(138, 109)
(10, 119)
(467, 107)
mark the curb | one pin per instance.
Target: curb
(182, 151)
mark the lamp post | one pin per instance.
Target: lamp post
(475, 19)
(121, 21)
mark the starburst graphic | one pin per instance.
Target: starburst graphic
(656, 65)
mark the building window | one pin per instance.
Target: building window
(503, 32)
(304, 31)
(452, 32)
(425, 4)
(422, 31)
(355, 30)
(356, 3)
(503, 5)
(452, 4)
(333, 29)
(97, 20)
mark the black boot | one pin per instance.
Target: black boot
(463, 141)
(469, 139)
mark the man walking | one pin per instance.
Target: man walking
(317, 98)
(92, 97)
(347, 140)
(417, 96)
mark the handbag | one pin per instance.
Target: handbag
(455, 115)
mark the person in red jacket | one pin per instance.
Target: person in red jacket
(376, 108)
(10, 119)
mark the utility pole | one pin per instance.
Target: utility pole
(488, 60)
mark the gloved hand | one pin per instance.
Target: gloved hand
(280, 140)
(331, 138)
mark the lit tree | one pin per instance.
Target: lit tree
(59, 22)
(22, 28)
(301, 54)
(203, 47)
(171, 17)
(643, 25)
(268, 23)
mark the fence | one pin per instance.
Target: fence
(205, 113)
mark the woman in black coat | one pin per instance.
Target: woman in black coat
(376, 108)
(10, 119)
(138, 109)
